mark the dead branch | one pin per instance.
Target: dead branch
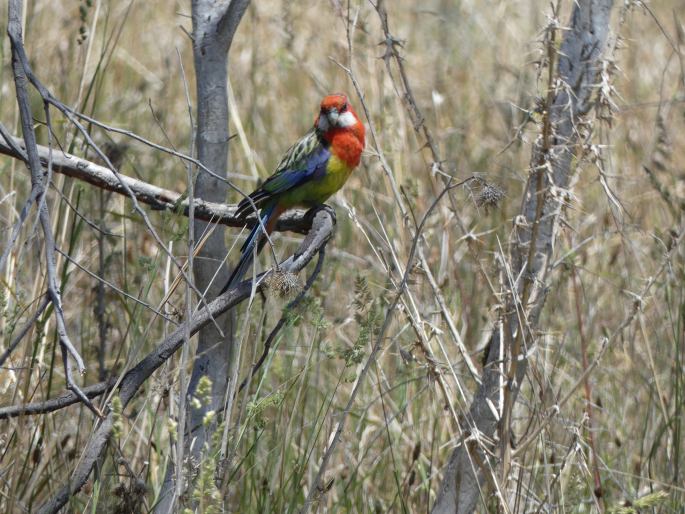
(298, 261)
(19, 54)
(158, 198)
(54, 404)
(38, 191)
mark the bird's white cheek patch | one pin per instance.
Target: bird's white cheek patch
(346, 119)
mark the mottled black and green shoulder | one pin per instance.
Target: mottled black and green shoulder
(297, 155)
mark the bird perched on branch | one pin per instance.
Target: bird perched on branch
(310, 172)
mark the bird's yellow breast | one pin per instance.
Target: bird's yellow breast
(319, 190)
(337, 173)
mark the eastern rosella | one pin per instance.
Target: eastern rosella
(310, 172)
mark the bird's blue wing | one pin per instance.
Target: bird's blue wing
(304, 161)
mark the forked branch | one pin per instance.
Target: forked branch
(38, 189)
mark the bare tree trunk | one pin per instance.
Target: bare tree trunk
(214, 25)
(569, 99)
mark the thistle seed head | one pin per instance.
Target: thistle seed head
(490, 195)
(284, 283)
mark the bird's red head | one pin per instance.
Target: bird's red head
(337, 116)
(337, 102)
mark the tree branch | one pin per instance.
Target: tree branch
(158, 198)
(38, 190)
(228, 23)
(62, 401)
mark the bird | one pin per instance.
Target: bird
(310, 172)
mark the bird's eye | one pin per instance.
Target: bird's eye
(344, 107)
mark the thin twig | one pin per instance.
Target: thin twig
(24, 330)
(115, 288)
(22, 58)
(53, 289)
(587, 389)
(638, 306)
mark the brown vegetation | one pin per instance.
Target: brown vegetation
(393, 335)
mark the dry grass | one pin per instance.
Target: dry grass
(473, 69)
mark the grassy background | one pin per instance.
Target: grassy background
(475, 69)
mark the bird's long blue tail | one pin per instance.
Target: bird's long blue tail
(247, 251)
